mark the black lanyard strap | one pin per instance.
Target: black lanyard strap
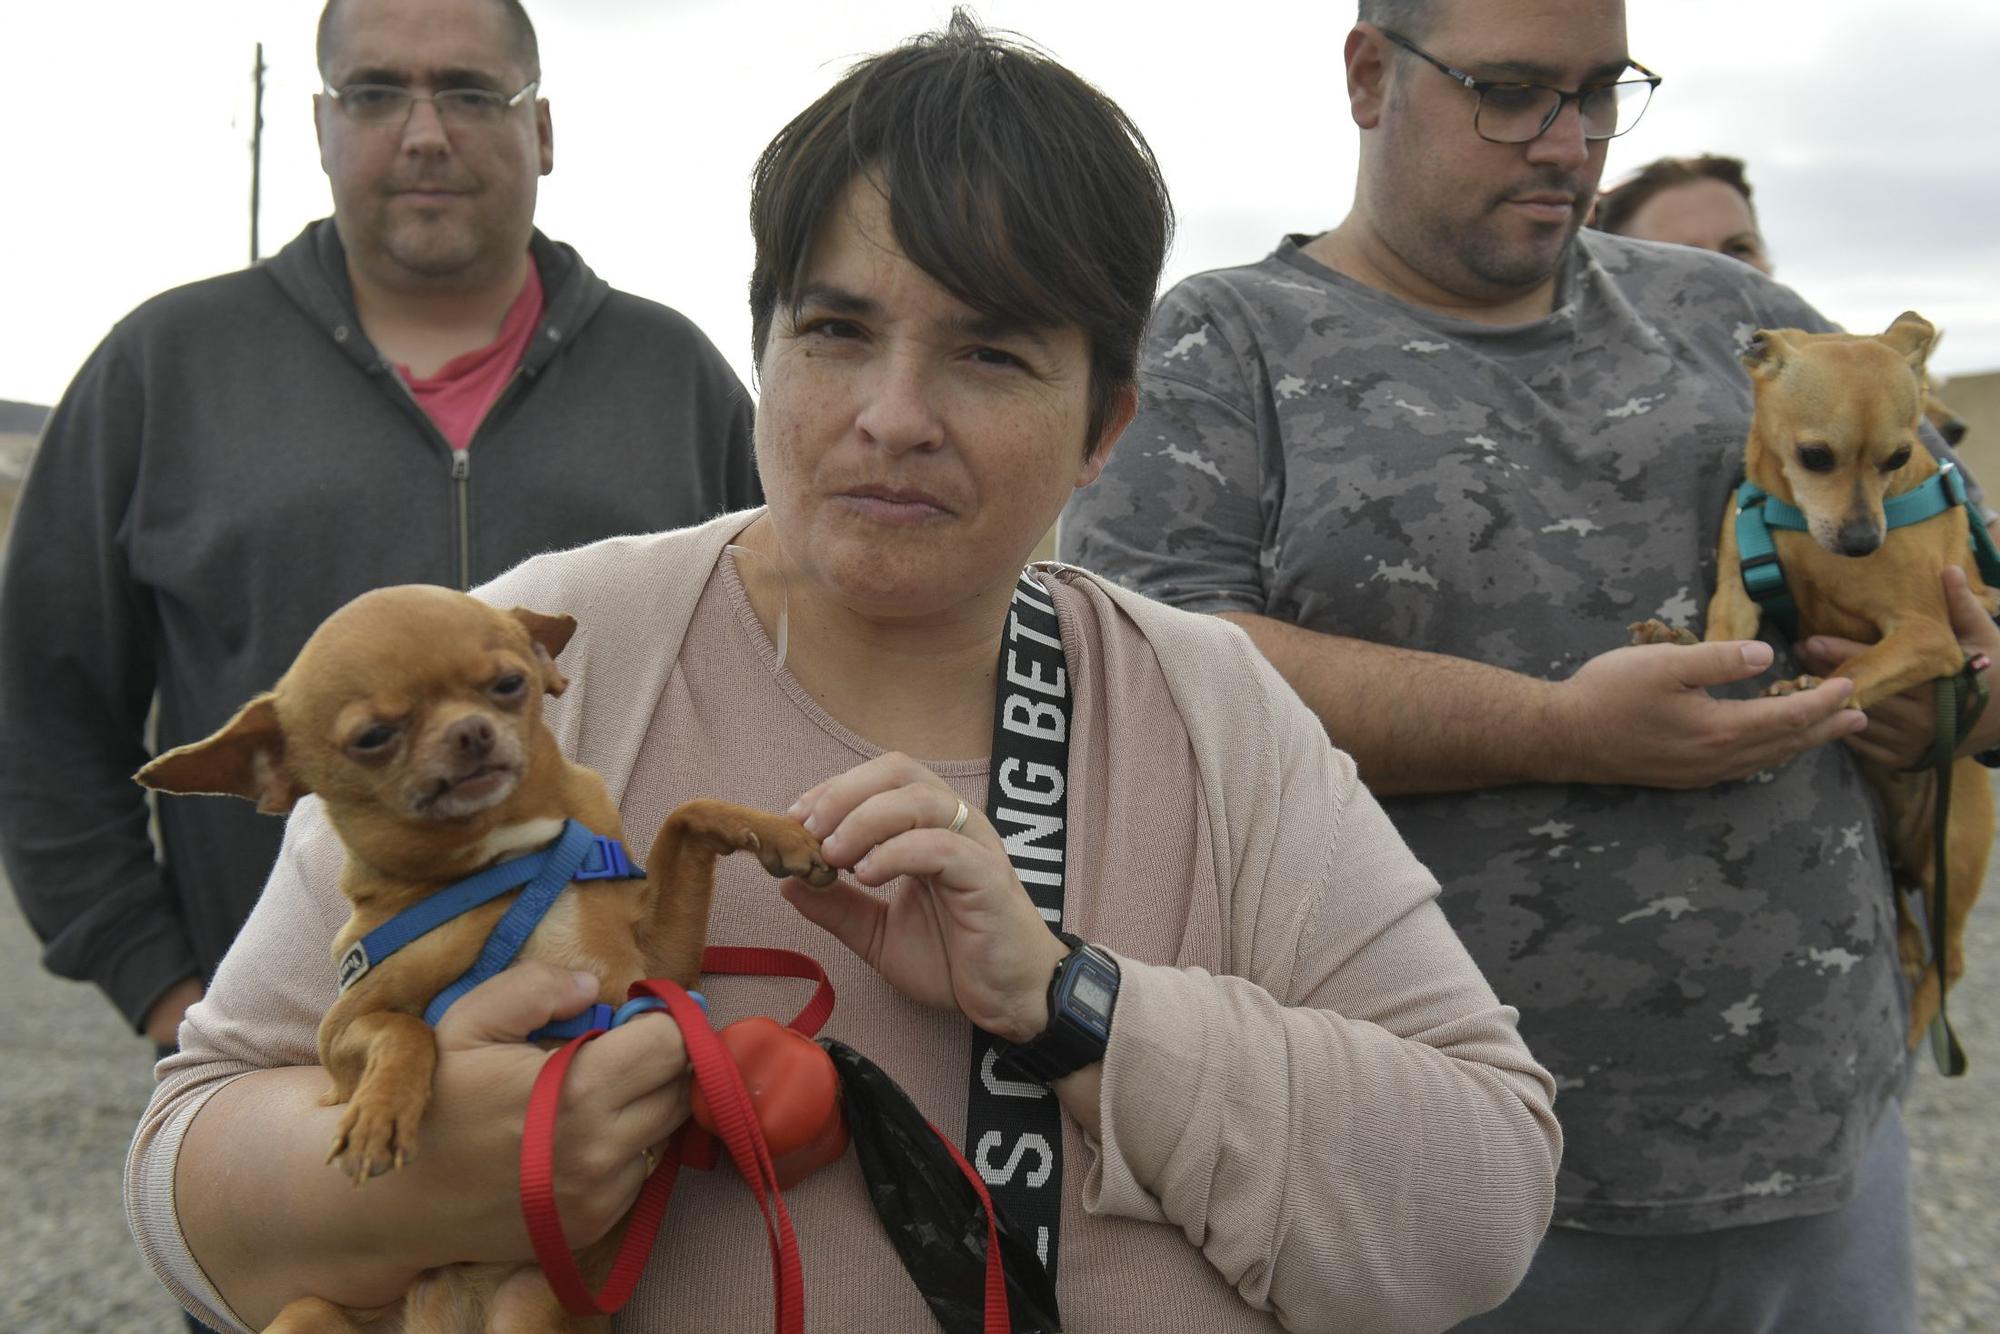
(1013, 1130)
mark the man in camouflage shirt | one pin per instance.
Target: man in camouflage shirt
(1434, 462)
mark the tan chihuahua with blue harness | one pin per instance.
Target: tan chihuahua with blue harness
(415, 714)
(1843, 527)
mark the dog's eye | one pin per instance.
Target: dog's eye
(1815, 458)
(1897, 459)
(508, 686)
(376, 737)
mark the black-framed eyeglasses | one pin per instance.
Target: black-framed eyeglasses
(390, 103)
(1517, 113)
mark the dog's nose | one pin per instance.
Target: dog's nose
(470, 737)
(1859, 537)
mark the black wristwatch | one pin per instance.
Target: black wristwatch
(1082, 994)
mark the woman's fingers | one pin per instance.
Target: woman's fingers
(824, 808)
(514, 1003)
(647, 1123)
(920, 812)
(629, 1081)
(938, 857)
(633, 1060)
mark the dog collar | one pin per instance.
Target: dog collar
(577, 854)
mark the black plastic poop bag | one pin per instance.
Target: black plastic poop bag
(930, 1210)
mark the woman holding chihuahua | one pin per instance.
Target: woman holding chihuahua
(1276, 1091)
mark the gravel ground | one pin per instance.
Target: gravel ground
(1954, 1127)
(77, 1081)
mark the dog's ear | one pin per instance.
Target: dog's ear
(550, 634)
(1767, 353)
(245, 759)
(1913, 336)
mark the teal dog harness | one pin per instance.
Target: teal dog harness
(1758, 512)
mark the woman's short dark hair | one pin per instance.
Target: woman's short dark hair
(1018, 187)
(1616, 206)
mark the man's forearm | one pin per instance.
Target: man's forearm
(1421, 722)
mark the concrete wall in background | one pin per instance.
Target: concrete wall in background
(1976, 401)
(14, 453)
(20, 423)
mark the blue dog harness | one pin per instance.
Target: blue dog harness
(1758, 512)
(576, 855)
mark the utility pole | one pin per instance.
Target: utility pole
(256, 148)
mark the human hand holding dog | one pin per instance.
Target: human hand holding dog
(1642, 716)
(623, 1096)
(959, 933)
(1901, 727)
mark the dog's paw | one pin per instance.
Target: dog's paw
(790, 851)
(377, 1134)
(1796, 685)
(1656, 631)
(781, 844)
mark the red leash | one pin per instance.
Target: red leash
(715, 1073)
(721, 1083)
(538, 1201)
(998, 1319)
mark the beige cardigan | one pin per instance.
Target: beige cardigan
(1316, 1115)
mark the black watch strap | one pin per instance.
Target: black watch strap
(1082, 993)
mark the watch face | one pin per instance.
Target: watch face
(1092, 994)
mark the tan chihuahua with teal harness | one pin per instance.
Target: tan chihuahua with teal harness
(1843, 527)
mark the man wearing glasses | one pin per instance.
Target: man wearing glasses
(1434, 461)
(422, 388)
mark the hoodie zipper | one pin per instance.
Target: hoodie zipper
(461, 467)
(461, 457)
(460, 472)
(461, 476)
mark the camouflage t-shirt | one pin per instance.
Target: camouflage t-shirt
(1710, 975)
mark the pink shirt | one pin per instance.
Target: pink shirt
(464, 389)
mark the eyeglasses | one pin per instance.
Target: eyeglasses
(1518, 113)
(389, 103)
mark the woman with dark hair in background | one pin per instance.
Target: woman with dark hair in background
(1699, 201)
(1298, 1104)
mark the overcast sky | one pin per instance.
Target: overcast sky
(1869, 129)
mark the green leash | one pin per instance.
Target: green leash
(1960, 701)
